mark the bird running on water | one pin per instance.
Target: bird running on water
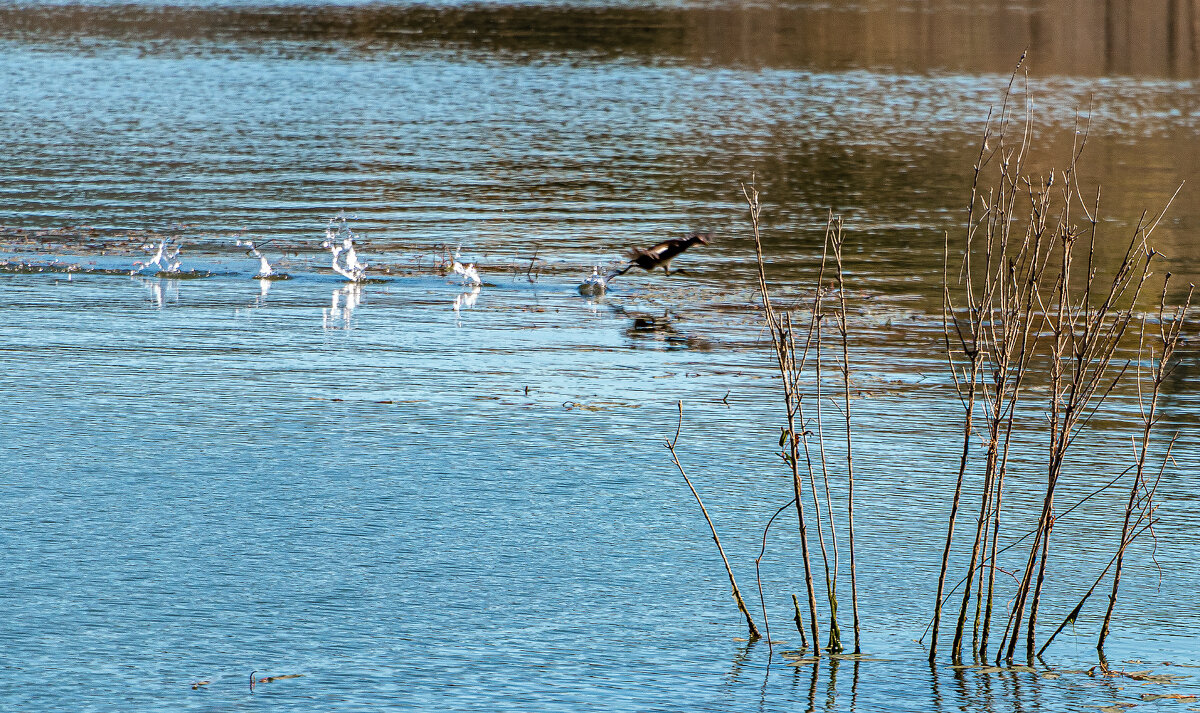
(660, 255)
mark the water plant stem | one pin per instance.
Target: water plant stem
(737, 594)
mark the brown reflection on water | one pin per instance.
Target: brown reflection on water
(1157, 38)
(1114, 37)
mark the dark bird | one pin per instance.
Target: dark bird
(660, 255)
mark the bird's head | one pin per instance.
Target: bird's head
(701, 238)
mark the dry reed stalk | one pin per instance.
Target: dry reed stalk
(835, 239)
(966, 387)
(835, 634)
(758, 578)
(1086, 333)
(1029, 533)
(996, 212)
(799, 622)
(1169, 335)
(785, 355)
(1131, 532)
(1074, 614)
(980, 340)
(737, 595)
(1009, 325)
(831, 575)
(1010, 297)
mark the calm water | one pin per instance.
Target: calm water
(419, 506)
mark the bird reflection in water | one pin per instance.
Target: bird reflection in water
(650, 330)
(467, 300)
(162, 292)
(264, 288)
(341, 307)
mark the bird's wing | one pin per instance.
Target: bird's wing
(665, 250)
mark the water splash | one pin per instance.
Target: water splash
(265, 271)
(467, 273)
(339, 239)
(164, 261)
(595, 284)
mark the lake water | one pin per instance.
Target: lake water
(417, 496)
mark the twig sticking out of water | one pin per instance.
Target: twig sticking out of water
(792, 364)
(758, 578)
(1019, 296)
(1086, 327)
(1003, 317)
(737, 594)
(965, 332)
(1071, 617)
(1029, 533)
(1141, 497)
(799, 622)
(835, 240)
(785, 354)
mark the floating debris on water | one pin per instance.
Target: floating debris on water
(20, 267)
(269, 679)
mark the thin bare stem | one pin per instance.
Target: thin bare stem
(737, 595)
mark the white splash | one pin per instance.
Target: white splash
(163, 260)
(467, 273)
(264, 267)
(595, 284)
(339, 239)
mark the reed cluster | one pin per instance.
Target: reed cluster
(1035, 331)
(1026, 302)
(800, 354)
